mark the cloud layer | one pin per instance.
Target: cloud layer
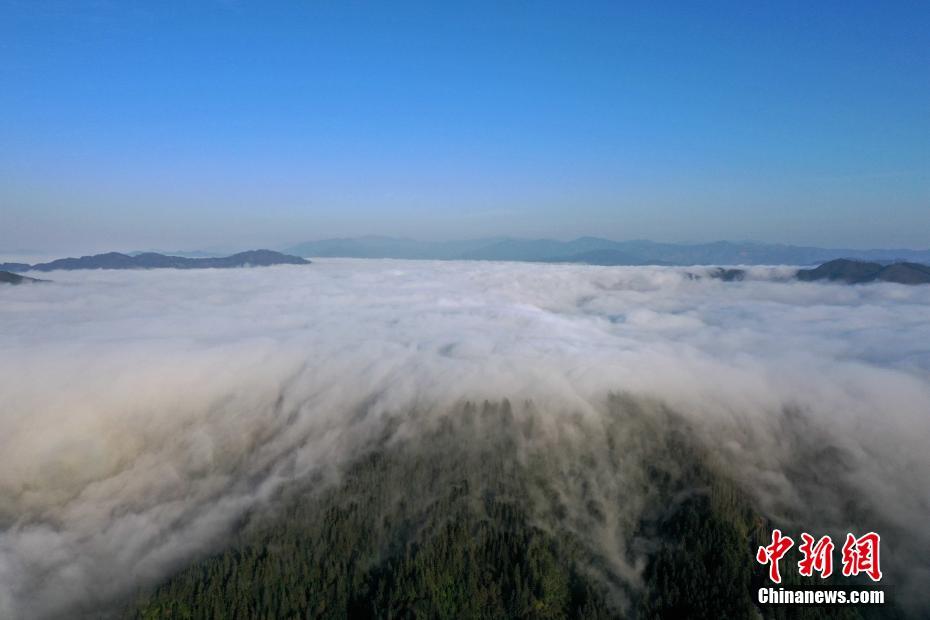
(144, 411)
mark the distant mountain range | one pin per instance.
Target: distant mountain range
(153, 260)
(838, 270)
(389, 247)
(597, 251)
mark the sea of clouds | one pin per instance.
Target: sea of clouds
(143, 412)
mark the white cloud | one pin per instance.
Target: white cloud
(142, 411)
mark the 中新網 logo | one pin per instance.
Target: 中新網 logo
(859, 555)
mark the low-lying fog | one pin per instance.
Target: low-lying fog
(143, 411)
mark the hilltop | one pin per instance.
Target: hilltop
(860, 272)
(14, 278)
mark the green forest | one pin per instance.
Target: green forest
(473, 516)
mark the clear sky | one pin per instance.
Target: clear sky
(230, 124)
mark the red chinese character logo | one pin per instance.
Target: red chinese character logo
(860, 555)
(773, 553)
(817, 557)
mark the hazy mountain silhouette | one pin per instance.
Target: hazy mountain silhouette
(14, 278)
(388, 247)
(595, 250)
(15, 267)
(152, 260)
(606, 257)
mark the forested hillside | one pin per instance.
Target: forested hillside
(473, 520)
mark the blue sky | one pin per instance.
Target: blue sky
(233, 124)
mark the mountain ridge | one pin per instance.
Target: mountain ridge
(7, 277)
(861, 272)
(153, 260)
(597, 251)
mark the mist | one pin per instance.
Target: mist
(145, 412)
